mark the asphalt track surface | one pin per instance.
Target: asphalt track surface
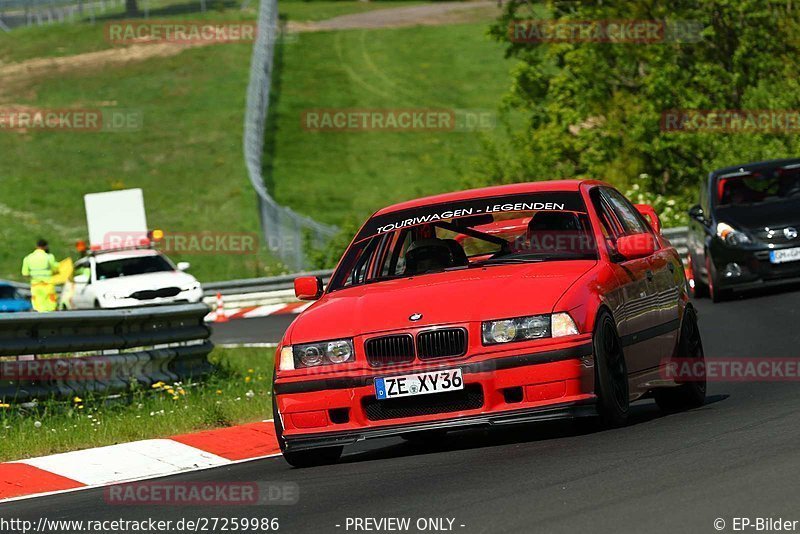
(739, 456)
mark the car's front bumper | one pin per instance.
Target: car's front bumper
(751, 267)
(500, 389)
(563, 410)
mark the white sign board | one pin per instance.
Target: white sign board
(116, 218)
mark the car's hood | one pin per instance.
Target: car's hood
(125, 285)
(759, 216)
(475, 294)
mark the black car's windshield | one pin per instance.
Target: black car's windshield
(771, 185)
(465, 234)
(7, 292)
(132, 266)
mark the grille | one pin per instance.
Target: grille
(777, 237)
(469, 398)
(151, 294)
(390, 350)
(442, 343)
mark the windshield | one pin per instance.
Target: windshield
(132, 266)
(467, 234)
(769, 185)
(8, 292)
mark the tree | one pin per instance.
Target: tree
(131, 8)
(594, 109)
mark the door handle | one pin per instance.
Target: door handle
(650, 275)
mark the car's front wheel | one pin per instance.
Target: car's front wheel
(307, 458)
(611, 373)
(714, 291)
(691, 394)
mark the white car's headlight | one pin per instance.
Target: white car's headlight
(528, 328)
(192, 287)
(111, 296)
(314, 354)
(732, 236)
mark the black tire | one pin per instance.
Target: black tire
(689, 394)
(300, 459)
(611, 373)
(714, 292)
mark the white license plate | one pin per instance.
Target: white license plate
(784, 256)
(418, 384)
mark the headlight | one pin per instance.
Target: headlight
(191, 288)
(528, 328)
(517, 329)
(315, 354)
(111, 296)
(731, 236)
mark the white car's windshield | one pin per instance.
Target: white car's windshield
(132, 266)
(470, 233)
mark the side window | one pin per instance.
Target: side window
(627, 215)
(609, 225)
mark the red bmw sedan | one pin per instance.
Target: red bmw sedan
(489, 307)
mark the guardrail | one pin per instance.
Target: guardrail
(45, 354)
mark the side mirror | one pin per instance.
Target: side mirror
(650, 214)
(308, 287)
(81, 279)
(636, 246)
(183, 265)
(697, 213)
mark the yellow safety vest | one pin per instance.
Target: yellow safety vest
(39, 265)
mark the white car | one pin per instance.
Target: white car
(128, 278)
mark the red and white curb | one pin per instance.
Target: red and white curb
(259, 311)
(139, 460)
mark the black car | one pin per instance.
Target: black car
(744, 232)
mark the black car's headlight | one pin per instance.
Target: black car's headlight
(528, 328)
(316, 354)
(732, 236)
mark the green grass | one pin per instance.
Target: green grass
(188, 156)
(331, 175)
(239, 393)
(81, 37)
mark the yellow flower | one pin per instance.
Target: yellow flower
(247, 379)
(175, 397)
(170, 391)
(182, 392)
(80, 406)
(3, 405)
(157, 385)
(219, 392)
(76, 400)
(250, 371)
